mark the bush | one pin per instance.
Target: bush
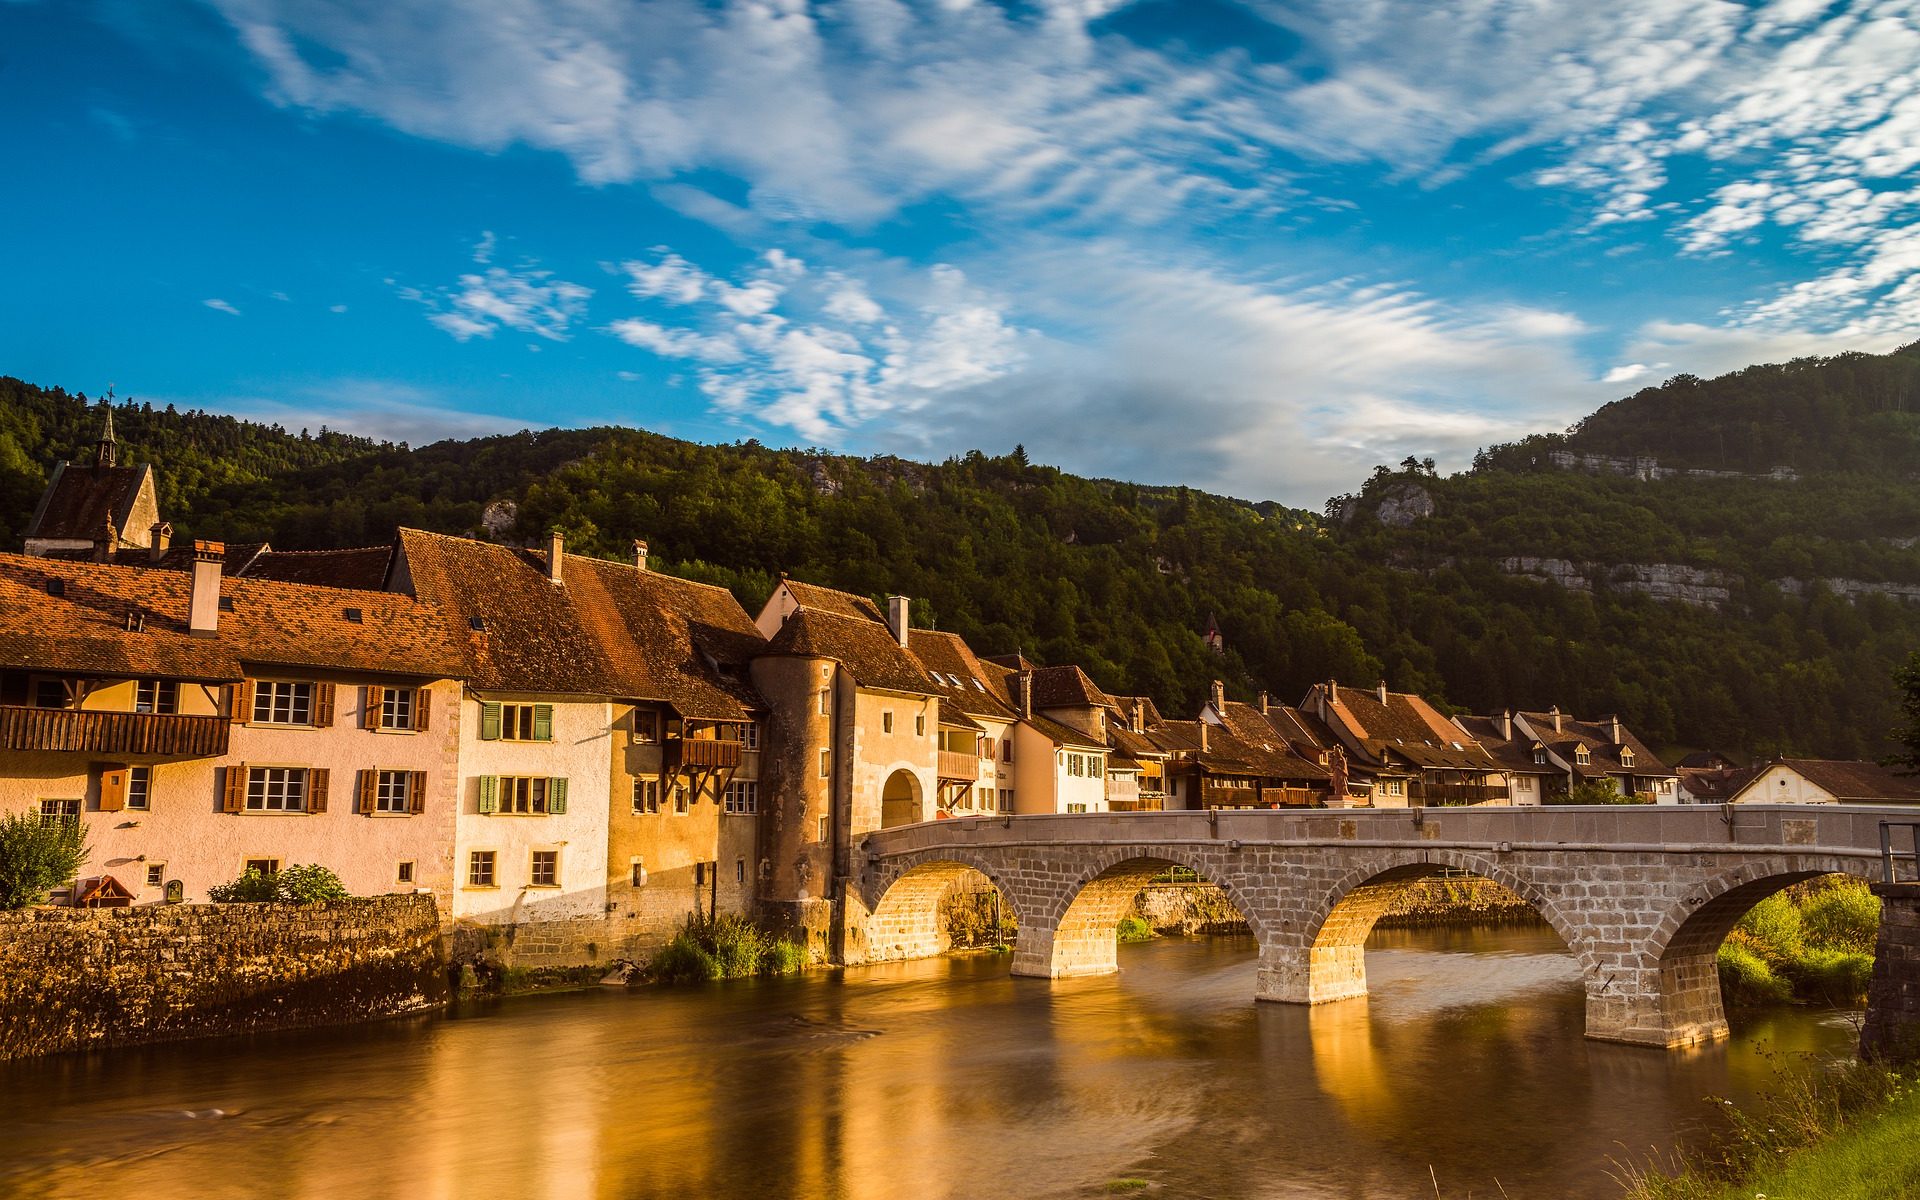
(1772, 929)
(1134, 929)
(726, 947)
(309, 884)
(37, 856)
(1746, 979)
(1835, 977)
(1843, 915)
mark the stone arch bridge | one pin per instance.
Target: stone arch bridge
(1642, 895)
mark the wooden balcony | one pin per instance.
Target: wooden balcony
(88, 732)
(1214, 796)
(1421, 792)
(703, 753)
(953, 764)
(1142, 803)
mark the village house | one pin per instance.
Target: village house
(97, 510)
(1137, 762)
(1823, 781)
(200, 726)
(1413, 755)
(1603, 752)
(1522, 758)
(1240, 758)
(974, 769)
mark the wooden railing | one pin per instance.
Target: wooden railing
(1214, 796)
(91, 732)
(1153, 803)
(954, 764)
(1421, 792)
(703, 752)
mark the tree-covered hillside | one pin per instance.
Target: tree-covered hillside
(1122, 579)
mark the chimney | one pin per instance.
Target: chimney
(106, 543)
(1506, 725)
(556, 557)
(1619, 735)
(639, 554)
(899, 618)
(1554, 712)
(1023, 684)
(1383, 691)
(159, 540)
(1203, 736)
(1219, 697)
(1139, 714)
(1265, 703)
(203, 595)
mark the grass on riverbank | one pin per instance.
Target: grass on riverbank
(1843, 1134)
(1812, 943)
(724, 947)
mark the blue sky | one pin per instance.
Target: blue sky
(1257, 247)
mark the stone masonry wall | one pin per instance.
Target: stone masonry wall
(1892, 1028)
(73, 979)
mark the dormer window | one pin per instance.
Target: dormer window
(1540, 756)
(1581, 756)
(1626, 757)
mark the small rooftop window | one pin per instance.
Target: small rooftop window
(226, 604)
(477, 624)
(351, 614)
(56, 587)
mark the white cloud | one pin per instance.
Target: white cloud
(222, 306)
(381, 409)
(523, 298)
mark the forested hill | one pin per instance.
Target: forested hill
(1732, 607)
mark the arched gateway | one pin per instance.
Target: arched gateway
(1641, 896)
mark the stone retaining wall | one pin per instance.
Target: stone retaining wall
(73, 979)
(1892, 1028)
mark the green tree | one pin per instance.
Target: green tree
(37, 856)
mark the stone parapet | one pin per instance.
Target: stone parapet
(1892, 1027)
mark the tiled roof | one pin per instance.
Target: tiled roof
(832, 600)
(1149, 712)
(1305, 732)
(946, 657)
(80, 500)
(1063, 734)
(1133, 745)
(1404, 726)
(269, 624)
(1515, 754)
(1602, 750)
(1067, 687)
(1229, 755)
(864, 646)
(1853, 780)
(1715, 785)
(609, 629)
(363, 567)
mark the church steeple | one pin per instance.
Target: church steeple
(106, 450)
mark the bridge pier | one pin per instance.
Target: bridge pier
(1311, 974)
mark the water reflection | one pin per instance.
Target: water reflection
(916, 1081)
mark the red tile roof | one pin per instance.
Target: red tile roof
(363, 567)
(80, 500)
(1854, 781)
(1602, 751)
(865, 647)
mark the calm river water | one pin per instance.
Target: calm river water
(1464, 1069)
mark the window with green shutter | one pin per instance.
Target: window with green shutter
(489, 722)
(489, 793)
(543, 722)
(556, 796)
(516, 722)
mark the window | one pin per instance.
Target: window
(53, 812)
(1006, 800)
(1076, 808)
(1523, 783)
(1581, 756)
(276, 789)
(480, 869)
(1006, 750)
(156, 696)
(739, 870)
(743, 797)
(699, 874)
(516, 722)
(403, 873)
(1539, 756)
(747, 733)
(826, 763)
(1095, 767)
(886, 721)
(680, 800)
(546, 869)
(646, 795)
(263, 866)
(823, 702)
(823, 829)
(1074, 766)
(1626, 757)
(397, 708)
(646, 726)
(1395, 787)
(140, 788)
(920, 725)
(393, 792)
(277, 702)
(156, 874)
(50, 693)
(526, 795)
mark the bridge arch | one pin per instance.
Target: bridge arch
(1335, 932)
(905, 920)
(1684, 947)
(1074, 931)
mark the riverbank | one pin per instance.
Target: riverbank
(1810, 944)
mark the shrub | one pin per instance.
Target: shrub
(1832, 976)
(1844, 915)
(683, 960)
(726, 947)
(309, 884)
(1134, 929)
(1772, 929)
(1746, 979)
(37, 856)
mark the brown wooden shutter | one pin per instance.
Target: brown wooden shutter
(316, 789)
(375, 695)
(236, 793)
(366, 790)
(240, 701)
(113, 787)
(422, 707)
(417, 793)
(322, 705)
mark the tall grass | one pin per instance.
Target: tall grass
(1811, 943)
(724, 947)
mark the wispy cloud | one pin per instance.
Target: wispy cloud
(524, 298)
(221, 306)
(384, 410)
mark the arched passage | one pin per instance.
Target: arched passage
(1685, 1005)
(900, 800)
(907, 923)
(1078, 933)
(1331, 965)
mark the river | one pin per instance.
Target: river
(1464, 1072)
